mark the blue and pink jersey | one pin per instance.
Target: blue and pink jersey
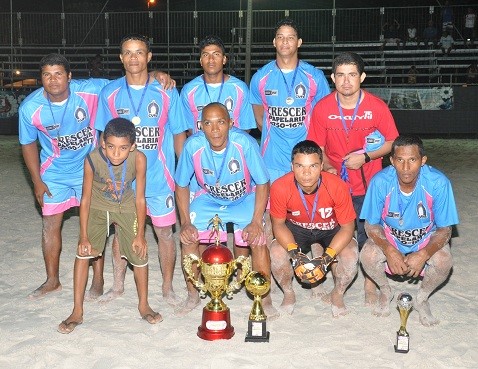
(66, 132)
(234, 94)
(409, 220)
(227, 177)
(160, 118)
(288, 98)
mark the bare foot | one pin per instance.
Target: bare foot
(110, 295)
(171, 298)
(318, 291)
(151, 316)
(338, 305)
(371, 296)
(187, 306)
(326, 299)
(425, 315)
(93, 293)
(44, 290)
(271, 312)
(382, 308)
(69, 324)
(288, 303)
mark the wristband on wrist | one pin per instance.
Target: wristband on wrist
(367, 158)
(330, 252)
(292, 246)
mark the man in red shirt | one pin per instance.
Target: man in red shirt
(310, 207)
(342, 124)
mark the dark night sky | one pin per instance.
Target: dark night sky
(174, 5)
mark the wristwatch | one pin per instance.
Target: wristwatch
(367, 158)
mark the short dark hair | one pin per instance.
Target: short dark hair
(348, 58)
(408, 140)
(307, 147)
(135, 37)
(120, 127)
(287, 22)
(55, 59)
(211, 40)
(218, 104)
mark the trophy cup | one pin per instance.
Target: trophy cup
(216, 265)
(404, 304)
(258, 285)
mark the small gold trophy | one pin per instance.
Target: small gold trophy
(405, 305)
(258, 285)
(216, 265)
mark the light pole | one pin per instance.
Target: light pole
(150, 17)
(11, 42)
(247, 75)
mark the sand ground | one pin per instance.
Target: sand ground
(114, 336)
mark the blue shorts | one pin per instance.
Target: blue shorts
(66, 193)
(162, 210)
(203, 209)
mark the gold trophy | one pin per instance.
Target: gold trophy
(258, 285)
(216, 266)
(405, 305)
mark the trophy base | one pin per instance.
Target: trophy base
(257, 332)
(403, 344)
(216, 325)
(401, 351)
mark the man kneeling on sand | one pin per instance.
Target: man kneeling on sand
(312, 209)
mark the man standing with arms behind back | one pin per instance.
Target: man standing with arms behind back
(160, 131)
(216, 86)
(283, 94)
(345, 123)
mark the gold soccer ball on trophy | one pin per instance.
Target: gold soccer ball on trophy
(257, 284)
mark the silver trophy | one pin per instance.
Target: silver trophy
(404, 305)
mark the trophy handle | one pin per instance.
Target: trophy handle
(236, 284)
(188, 262)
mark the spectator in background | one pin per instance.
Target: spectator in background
(447, 17)
(472, 74)
(446, 43)
(391, 33)
(430, 34)
(95, 66)
(411, 35)
(469, 30)
(412, 75)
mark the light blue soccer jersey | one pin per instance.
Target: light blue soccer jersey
(409, 221)
(159, 114)
(288, 99)
(227, 177)
(66, 131)
(234, 94)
